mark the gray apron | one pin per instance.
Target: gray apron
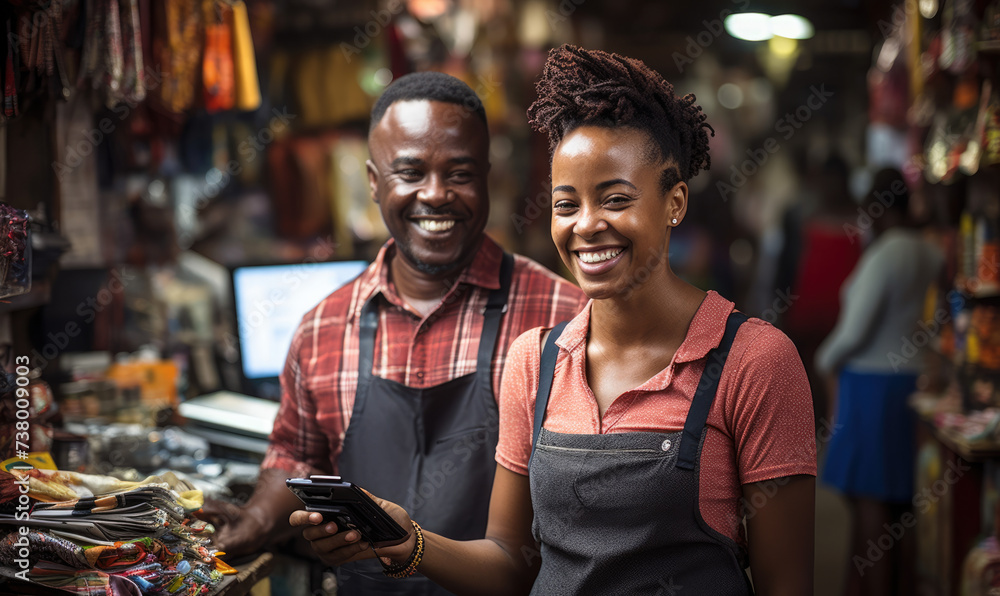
(430, 450)
(618, 513)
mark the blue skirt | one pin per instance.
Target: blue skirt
(871, 452)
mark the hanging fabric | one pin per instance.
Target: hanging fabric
(112, 60)
(111, 57)
(247, 85)
(39, 48)
(180, 54)
(11, 71)
(218, 78)
(134, 75)
(327, 88)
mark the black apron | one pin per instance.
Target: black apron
(430, 450)
(618, 513)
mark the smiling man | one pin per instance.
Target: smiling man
(391, 381)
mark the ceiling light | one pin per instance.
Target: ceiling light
(792, 26)
(757, 26)
(751, 26)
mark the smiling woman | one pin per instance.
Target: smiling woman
(617, 133)
(631, 437)
(653, 355)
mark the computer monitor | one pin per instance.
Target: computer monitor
(270, 302)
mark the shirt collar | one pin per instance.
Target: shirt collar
(483, 271)
(705, 332)
(707, 328)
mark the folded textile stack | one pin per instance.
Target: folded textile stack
(96, 535)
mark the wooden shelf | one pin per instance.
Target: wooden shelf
(982, 290)
(988, 47)
(249, 575)
(40, 294)
(968, 450)
(978, 450)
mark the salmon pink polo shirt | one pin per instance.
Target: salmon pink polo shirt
(760, 426)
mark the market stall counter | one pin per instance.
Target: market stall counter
(955, 496)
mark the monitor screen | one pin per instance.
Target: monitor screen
(270, 302)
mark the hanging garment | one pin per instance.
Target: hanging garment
(133, 89)
(245, 61)
(218, 78)
(40, 45)
(299, 174)
(327, 90)
(111, 55)
(112, 61)
(10, 77)
(180, 53)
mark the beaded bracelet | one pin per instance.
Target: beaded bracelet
(409, 567)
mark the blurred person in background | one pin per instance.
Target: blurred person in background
(670, 413)
(399, 370)
(870, 455)
(816, 258)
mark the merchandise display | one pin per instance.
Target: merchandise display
(88, 534)
(15, 252)
(950, 54)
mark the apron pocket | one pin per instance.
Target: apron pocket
(633, 475)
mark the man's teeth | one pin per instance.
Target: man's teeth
(433, 225)
(597, 257)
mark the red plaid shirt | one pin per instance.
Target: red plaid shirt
(321, 372)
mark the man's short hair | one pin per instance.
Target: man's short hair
(432, 86)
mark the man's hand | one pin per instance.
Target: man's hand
(237, 533)
(252, 527)
(335, 547)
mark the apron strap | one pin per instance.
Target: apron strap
(546, 371)
(496, 305)
(705, 394)
(368, 325)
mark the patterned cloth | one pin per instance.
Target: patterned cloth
(146, 546)
(321, 371)
(112, 59)
(43, 546)
(62, 487)
(760, 425)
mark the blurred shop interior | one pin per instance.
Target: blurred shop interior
(182, 179)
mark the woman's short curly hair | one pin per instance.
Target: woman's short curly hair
(591, 87)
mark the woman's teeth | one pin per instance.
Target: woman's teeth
(433, 225)
(597, 257)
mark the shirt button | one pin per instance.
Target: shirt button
(665, 445)
(420, 375)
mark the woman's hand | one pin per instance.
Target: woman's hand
(336, 547)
